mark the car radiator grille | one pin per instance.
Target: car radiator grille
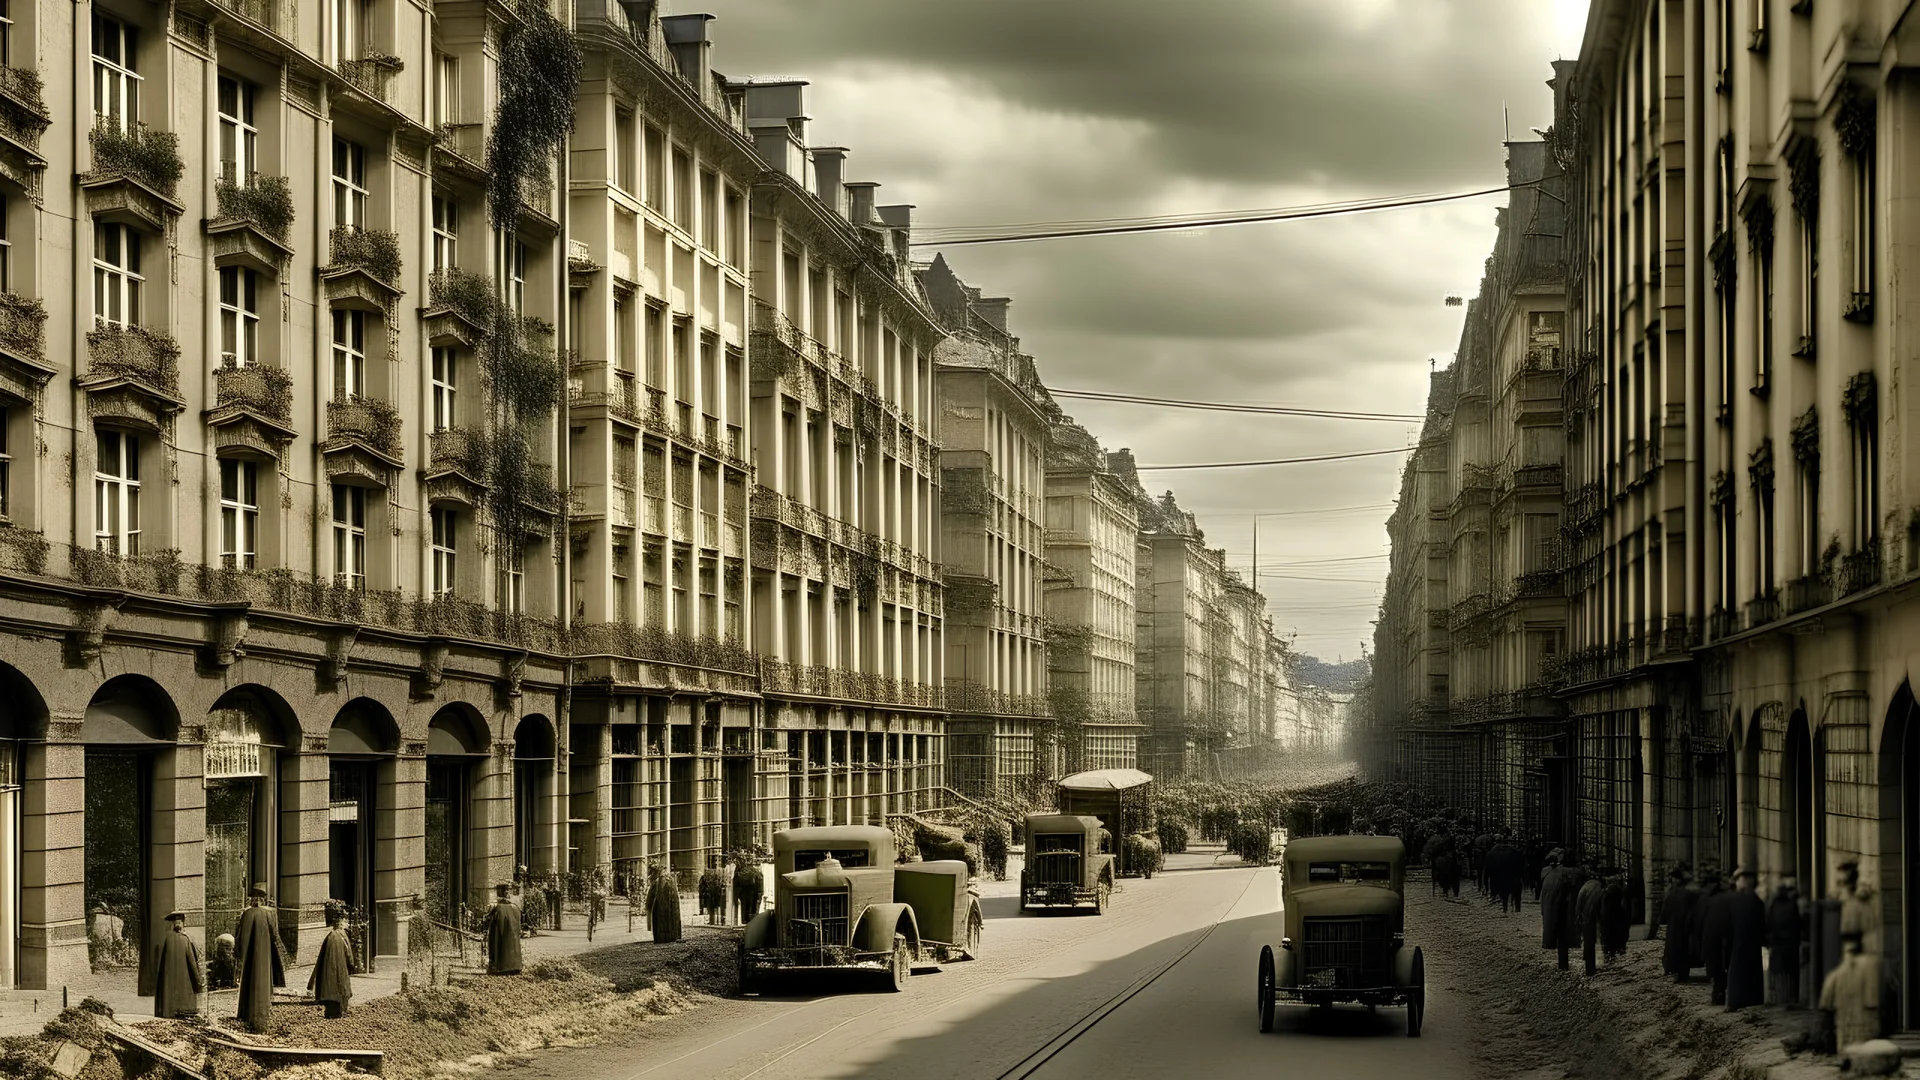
(818, 919)
(1347, 952)
(1052, 869)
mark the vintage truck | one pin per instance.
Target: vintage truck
(1069, 863)
(841, 902)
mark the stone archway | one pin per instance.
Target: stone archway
(128, 733)
(457, 752)
(1899, 786)
(361, 769)
(251, 732)
(536, 817)
(25, 717)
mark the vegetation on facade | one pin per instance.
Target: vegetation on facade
(540, 64)
(373, 250)
(265, 202)
(138, 152)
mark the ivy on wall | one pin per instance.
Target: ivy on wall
(539, 75)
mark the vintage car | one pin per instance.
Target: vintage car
(840, 901)
(1344, 938)
(1123, 801)
(1069, 863)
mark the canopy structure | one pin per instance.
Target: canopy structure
(1105, 780)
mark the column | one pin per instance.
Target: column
(305, 875)
(53, 925)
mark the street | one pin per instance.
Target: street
(1056, 996)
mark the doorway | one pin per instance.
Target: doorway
(448, 781)
(350, 816)
(117, 861)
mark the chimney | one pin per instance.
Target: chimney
(898, 216)
(860, 201)
(994, 310)
(691, 46)
(827, 163)
(776, 111)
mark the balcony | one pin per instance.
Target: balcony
(363, 270)
(1860, 570)
(460, 308)
(1762, 610)
(777, 677)
(254, 223)
(23, 350)
(133, 373)
(135, 171)
(458, 450)
(23, 112)
(363, 440)
(372, 75)
(1722, 623)
(252, 409)
(1808, 592)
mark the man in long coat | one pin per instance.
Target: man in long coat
(1676, 914)
(1556, 906)
(1587, 909)
(176, 972)
(1504, 869)
(1851, 994)
(1710, 888)
(1784, 935)
(503, 935)
(1482, 844)
(1615, 919)
(256, 946)
(332, 978)
(1746, 933)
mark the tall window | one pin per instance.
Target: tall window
(349, 354)
(1763, 304)
(446, 89)
(656, 166)
(709, 210)
(683, 359)
(347, 30)
(6, 32)
(1863, 423)
(656, 347)
(444, 525)
(1725, 524)
(445, 361)
(1807, 494)
(513, 592)
(116, 80)
(349, 536)
(682, 189)
(622, 583)
(516, 278)
(1862, 168)
(623, 149)
(6, 241)
(349, 185)
(239, 513)
(116, 274)
(239, 317)
(116, 492)
(1763, 565)
(623, 335)
(6, 467)
(239, 138)
(446, 232)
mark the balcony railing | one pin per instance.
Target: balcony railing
(458, 449)
(369, 421)
(137, 152)
(966, 696)
(265, 12)
(1860, 570)
(1762, 610)
(372, 251)
(1722, 623)
(777, 677)
(23, 325)
(463, 292)
(23, 112)
(265, 202)
(263, 391)
(144, 355)
(1807, 593)
(371, 75)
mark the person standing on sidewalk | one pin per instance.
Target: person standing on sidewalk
(1504, 869)
(1557, 888)
(1676, 914)
(1588, 907)
(1785, 934)
(1697, 928)
(1716, 939)
(1746, 932)
(1615, 920)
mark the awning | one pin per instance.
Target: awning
(1105, 780)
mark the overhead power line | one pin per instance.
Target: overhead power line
(1279, 461)
(1227, 406)
(956, 236)
(1211, 515)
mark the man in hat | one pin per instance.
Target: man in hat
(1785, 932)
(1676, 914)
(332, 978)
(1716, 932)
(1616, 920)
(1710, 887)
(176, 972)
(256, 947)
(1557, 888)
(1588, 903)
(1746, 933)
(503, 934)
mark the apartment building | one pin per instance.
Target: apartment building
(848, 599)
(994, 417)
(1091, 536)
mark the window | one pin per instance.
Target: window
(6, 241)
(349, 536)
(239, 513)
(622, 583)
(656, 165)
(736, 229)
(239, 317)
(682, 189)
(683, 359)
(446, 90)
(349, 185)
(349, 354)
(116, 274)
(513, 592)
(1763, 567)
(6, 32)
(239, 138)
(116, 492)
(709, 210)
(6, 467)
(347, 31)
(513, 278)
(1724, 302)
(1863, 422)
(446, 233)
(656, 347)
(623, 149)
(1860, 305)
(445, 523)
(623, 335)
(116, 81)
(1725, 524)
(1763, 303)
(445, 362)
(1807, 491)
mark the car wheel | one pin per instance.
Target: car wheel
(1266, 988)
(1417, 1001)
(902, 968)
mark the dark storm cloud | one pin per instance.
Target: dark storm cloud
(1381, 93)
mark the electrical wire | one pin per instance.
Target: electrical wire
(957, 236)
(1278, 461)
(1211, 515)
(1227, 406)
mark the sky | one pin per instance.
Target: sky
(997, 112)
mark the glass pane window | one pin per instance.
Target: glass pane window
(445, 371)
(6, 32)
(349, 354)
(116, 80)
(446, 89)
(116, 274)
(349, 185)
(239, 138)
(513, 599)
(347, 29)
(239, 317)
(239, 513)
(445, 524)
(6, 466)
(116, 492)
(446, 233)
(349, 536)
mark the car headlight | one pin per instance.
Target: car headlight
(1286, 943)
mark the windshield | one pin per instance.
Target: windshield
(849, 858)
(1051, 843)
(1323, 873)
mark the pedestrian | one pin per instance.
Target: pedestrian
(1746, 933)
(257, 955)
(1850, 996)
(503, 933)
(1504, 869)
(1482, 845)
(176, 972)
(1587, 909)
(332, 980)
(1716, 941)
(1784, 936)
(1556, 906)
(1615, 919)
(1446, 874)
(1710, 887)
(1676, 914)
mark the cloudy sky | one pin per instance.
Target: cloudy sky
(995, 112)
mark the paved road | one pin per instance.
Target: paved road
(1041, 976)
